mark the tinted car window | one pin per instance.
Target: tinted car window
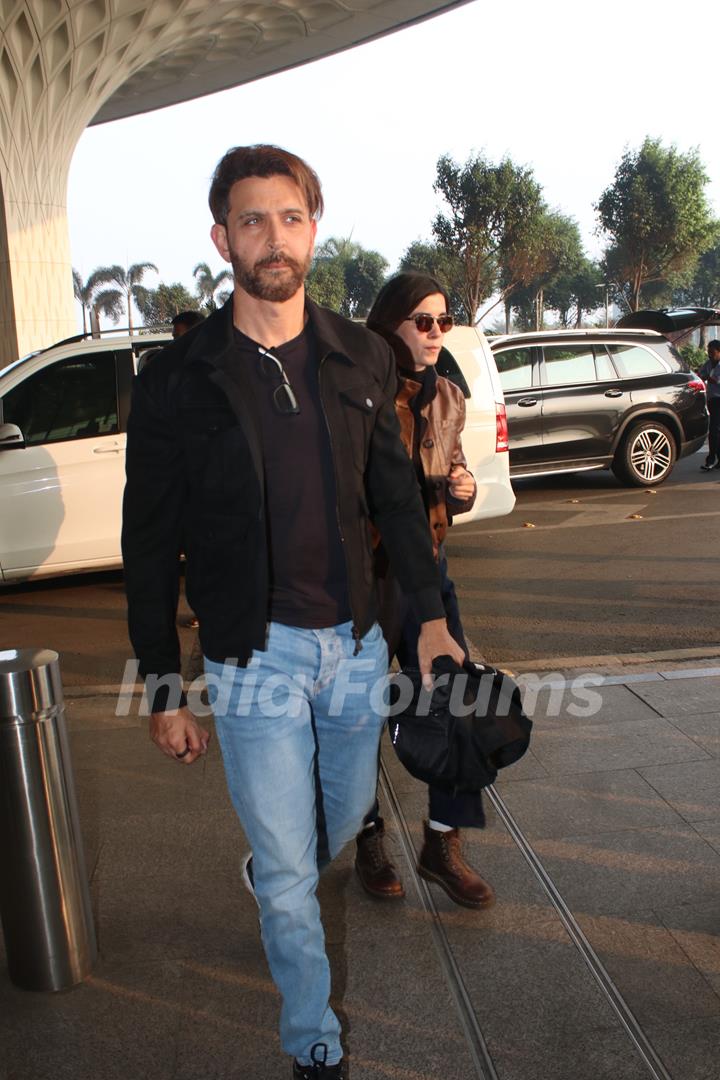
(72, 399)
(631, 360)
(568, 364)
(515, 367)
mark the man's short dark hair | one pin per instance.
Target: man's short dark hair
(187, 318)
(714, 345)
(262, 160)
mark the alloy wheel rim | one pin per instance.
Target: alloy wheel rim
(650, 454)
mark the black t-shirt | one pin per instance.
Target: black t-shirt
(308, 575)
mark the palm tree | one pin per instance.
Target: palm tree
(129, 286)
(208, 285)
(92, 302)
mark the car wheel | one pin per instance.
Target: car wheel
(646, 455)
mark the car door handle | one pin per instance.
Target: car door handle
(109, 450)
(613, 393)
(527, 402)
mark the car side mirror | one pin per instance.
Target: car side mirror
(11, 437)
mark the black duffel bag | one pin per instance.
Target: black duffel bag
(458, 736)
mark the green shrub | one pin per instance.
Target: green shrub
(693, 356)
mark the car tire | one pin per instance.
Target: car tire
(646, 455)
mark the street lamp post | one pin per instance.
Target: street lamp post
(605, 285)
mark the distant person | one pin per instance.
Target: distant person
(184, 321)
(181, 323)
(710, 372)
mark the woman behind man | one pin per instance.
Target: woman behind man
(412, 313)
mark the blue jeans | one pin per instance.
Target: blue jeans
(299, 736)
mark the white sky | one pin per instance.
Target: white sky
(560, 86)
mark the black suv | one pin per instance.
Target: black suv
(599, 399)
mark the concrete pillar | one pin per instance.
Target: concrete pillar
(41, 118)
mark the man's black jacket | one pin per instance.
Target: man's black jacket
(195, 484)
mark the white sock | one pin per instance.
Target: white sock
(439, 827)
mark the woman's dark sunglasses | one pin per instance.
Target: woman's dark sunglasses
(284, 398)
(424, 322)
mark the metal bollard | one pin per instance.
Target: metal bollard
(44, 895)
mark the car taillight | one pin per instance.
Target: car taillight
(501, 428)
(697, 386)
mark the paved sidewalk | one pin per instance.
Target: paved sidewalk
(620, 798)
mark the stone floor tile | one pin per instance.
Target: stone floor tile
(692, 789)
(710, 832)
(653, 973)
(174, 913)
(681, 697)
(703, 729)
(119, 772)
(120, 1023)
(230, 1013)
(690, 1049)
(538, 1006)
(398, 1017)
(188, 844)
(527, 768)
(586, 803)
(632, 870)
(622, 745)
(98, 714)
(696, 929)
(581, 704)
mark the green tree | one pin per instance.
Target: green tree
(693, 355)
(364, 276)
(550, 246)
(208, 286)
(492, 210)
(93, 300)
(159, 306)
(346, 271)
(325, 283)
(429, 258)
(574, 292)
(128, 285)
(704, 288)
(656, 217)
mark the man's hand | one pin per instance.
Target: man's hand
(462, 483)
(435, 640)
(179, 735)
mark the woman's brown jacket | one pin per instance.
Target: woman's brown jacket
(443, 419)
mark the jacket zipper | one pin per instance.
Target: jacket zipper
(355, 631)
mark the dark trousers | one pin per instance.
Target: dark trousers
(402, 630)
(713, 455)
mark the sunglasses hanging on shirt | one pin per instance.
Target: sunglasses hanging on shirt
(284, 398)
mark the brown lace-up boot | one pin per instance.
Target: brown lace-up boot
(441, 861)
(377, 874)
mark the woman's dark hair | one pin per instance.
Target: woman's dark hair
(397, 298)
(262, 160)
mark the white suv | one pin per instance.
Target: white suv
(63, 419)
(468, 360)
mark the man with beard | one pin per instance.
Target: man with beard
(267, 439)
